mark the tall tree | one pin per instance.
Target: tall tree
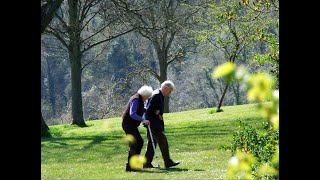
(48, 8)
(161, 22)
(80, 26)
(231, 28)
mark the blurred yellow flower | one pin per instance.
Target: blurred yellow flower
(275, 121)
(137, 161)
(224, 70)
(260, 87)
(240, 166)
(129, 139)
(266, 170)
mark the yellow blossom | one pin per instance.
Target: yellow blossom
(260, 87)
(129, 139)
(225, 70)
(137, 161)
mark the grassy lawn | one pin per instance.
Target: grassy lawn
(198, 139)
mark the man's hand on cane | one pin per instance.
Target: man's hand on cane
(158, 114)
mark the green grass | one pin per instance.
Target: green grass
(197, 138)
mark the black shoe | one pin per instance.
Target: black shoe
(148, 166)
(129, 169)
(171, 163)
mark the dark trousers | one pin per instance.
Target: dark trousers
(159, 138)
(134, 148)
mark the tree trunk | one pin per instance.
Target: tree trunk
(52, 97)
(166, 104)
(75, 61)
(222, 97)
(44, 128)
(236, 91)
(208, 76)
(77, 112)
(163, 75)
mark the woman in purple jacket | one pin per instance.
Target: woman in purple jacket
(132, 117)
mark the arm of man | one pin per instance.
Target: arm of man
(153, 105)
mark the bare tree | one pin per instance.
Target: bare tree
(162, 23)
(81, 25)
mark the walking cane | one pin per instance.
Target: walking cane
(154, 147)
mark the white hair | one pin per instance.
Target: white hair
(167, 83)
(145, 90)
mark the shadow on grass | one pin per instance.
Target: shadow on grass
(147, 171)
(176, 169)
(182, 169)
(106, 146)
(164, 170)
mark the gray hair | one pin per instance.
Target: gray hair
(168, 84)
(145, 90)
